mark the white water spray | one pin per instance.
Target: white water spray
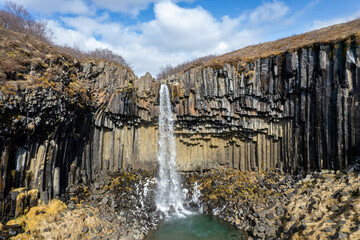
(217, 211)
(143, 193)
(196, 196)
(168, 194)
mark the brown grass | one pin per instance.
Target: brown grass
(18, 50)
(331, 34)
(169, 70)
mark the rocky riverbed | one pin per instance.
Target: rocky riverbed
(267, 205)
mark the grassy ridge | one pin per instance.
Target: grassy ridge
(331, 34)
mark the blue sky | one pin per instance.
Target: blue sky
(152, 33)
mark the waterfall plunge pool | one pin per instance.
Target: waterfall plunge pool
(199, 227)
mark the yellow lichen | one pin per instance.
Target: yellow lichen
(114, 183)
(33, 195)
(250, 73)
(20, 203)
(30, 220)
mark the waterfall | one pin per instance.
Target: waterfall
(168, 194)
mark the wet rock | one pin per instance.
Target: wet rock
(290, 193)
(71, 206)
(44, 196)
(292, 218)
(342, 235)
(114, 204)
(280, 211)
(259, 228)
(98, 228)
(270, 230)
(270, 215)
(105, 200)
(85, 229)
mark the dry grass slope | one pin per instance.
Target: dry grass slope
(332, 34)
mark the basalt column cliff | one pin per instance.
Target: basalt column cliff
(294, 111)
(65, 122)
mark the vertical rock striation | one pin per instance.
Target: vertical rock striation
(295, 111)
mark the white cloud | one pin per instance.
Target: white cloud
(320, 24)
(268, 12)
(66, 36)
(179, 28)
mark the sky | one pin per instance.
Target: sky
(150, 34)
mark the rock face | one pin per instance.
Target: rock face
(296, 111)
(63, 122)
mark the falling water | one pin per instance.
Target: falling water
(196, 196)
(168, 195)
(170, 198)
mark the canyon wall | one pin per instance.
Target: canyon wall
(296, 111)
